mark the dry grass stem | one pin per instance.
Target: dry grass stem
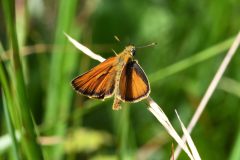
(156, 110)
(84, 49)
(189, 140)
(50, 140)
(211, 89)
(27, 50)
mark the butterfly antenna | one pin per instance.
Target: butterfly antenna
(116, 38)
(114, 52)
(148, 45)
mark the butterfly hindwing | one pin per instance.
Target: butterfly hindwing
(134, 85)
(99, 82)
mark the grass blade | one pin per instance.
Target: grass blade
(84, 49)
(6, 107)
(230, 85)
(66, 13)
(211, 88)
(190, 142)
(32, 148)
(59, 92)
(11, 130)
(163, 119)
(235, 155)
(190, 61)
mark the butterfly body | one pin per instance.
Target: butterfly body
(120, 76)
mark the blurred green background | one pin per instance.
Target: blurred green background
(192, 37)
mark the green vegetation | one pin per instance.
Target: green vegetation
(46, 119)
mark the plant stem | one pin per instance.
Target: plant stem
(32, 148)
(188, 62)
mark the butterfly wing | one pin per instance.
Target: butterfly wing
(99, 82)
(134, 85)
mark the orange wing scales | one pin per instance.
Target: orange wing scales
(99, 82)
(134, 85)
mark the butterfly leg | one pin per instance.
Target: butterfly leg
(116, 104)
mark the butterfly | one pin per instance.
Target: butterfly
(120, 76)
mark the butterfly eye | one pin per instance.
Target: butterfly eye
(133, 51)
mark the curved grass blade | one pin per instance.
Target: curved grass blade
(190, 61)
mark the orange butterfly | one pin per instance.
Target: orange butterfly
(119, 75)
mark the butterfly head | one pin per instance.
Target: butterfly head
(131, 50)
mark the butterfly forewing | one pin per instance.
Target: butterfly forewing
(134, 85)
(99, 82)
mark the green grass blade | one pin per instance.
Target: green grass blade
(65, 17)
(233, 87)
(6, 107)
(11, 129)
(190, 61)
(125, 150)
(62, 64)
(235, 155)
(230, 85)
(123, 132)
(32, 148)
